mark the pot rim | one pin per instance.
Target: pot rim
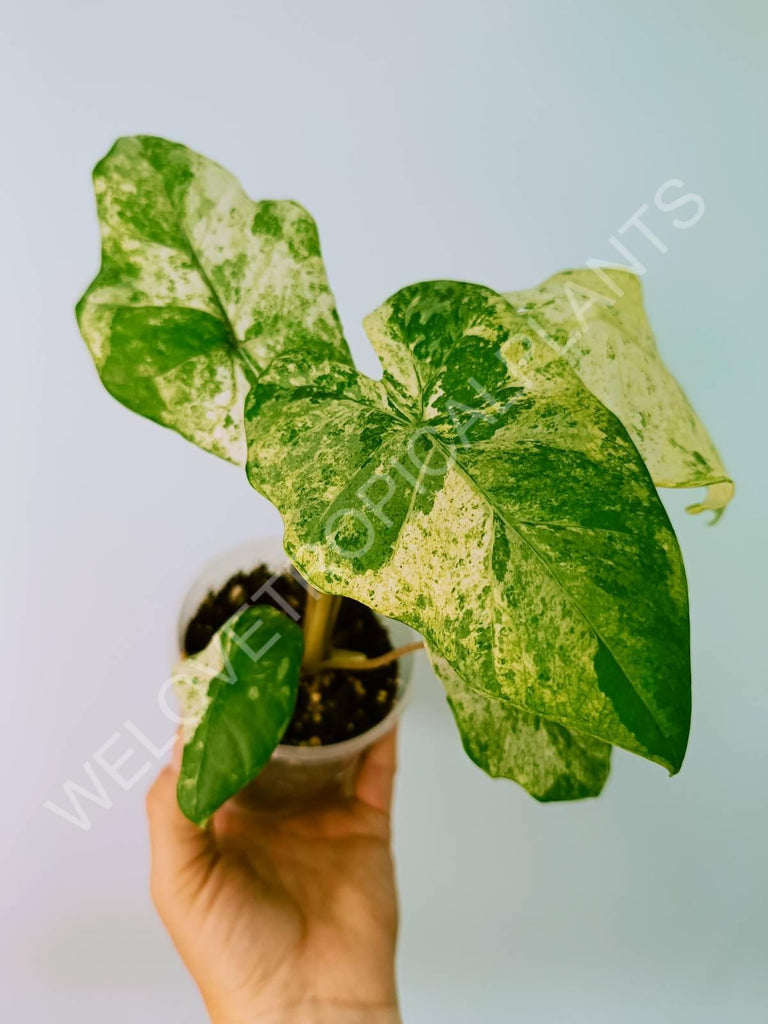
(217, 570)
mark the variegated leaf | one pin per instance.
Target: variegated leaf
(483, 495)
(237, 697)
(595, 319)
(550, 761)
(199, 288)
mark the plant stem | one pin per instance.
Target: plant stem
(319, 620)
(320, 616)
(363, 664)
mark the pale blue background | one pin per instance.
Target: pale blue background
(489, 141)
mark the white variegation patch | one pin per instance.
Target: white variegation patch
(191, 682)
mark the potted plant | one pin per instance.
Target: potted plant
(495, 490)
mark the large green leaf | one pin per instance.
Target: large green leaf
(595, 319)
(199, 288)
(237, 698)
(483, 495)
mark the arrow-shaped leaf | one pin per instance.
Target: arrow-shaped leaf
(237, 698)
(483, 495)
(199, 288)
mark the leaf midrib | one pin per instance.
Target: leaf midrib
(553, 572)
(547, 565)
(237, 348)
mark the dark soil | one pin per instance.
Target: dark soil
(334, 704)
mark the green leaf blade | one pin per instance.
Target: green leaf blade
(237, 699)
(483, 495)
(199, 289)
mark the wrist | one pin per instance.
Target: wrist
(319, 1013)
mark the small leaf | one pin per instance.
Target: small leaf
(548, 760)
(237, 698)
(595, 319)
(199, 289)
(481, 494)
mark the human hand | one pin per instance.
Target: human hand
(283, 920)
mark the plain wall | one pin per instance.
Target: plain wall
(495, 142)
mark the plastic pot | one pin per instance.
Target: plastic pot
(296, 778)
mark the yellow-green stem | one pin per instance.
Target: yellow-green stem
(319, 621)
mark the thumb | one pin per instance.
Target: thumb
(376, 779)
(180, 851)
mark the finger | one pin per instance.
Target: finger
(177, 751)
(376, 779)
(180, 851)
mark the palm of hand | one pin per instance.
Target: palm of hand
(277, 917)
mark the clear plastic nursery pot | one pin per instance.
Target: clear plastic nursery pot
(297, 777)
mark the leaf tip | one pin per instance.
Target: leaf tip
(716, 499)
